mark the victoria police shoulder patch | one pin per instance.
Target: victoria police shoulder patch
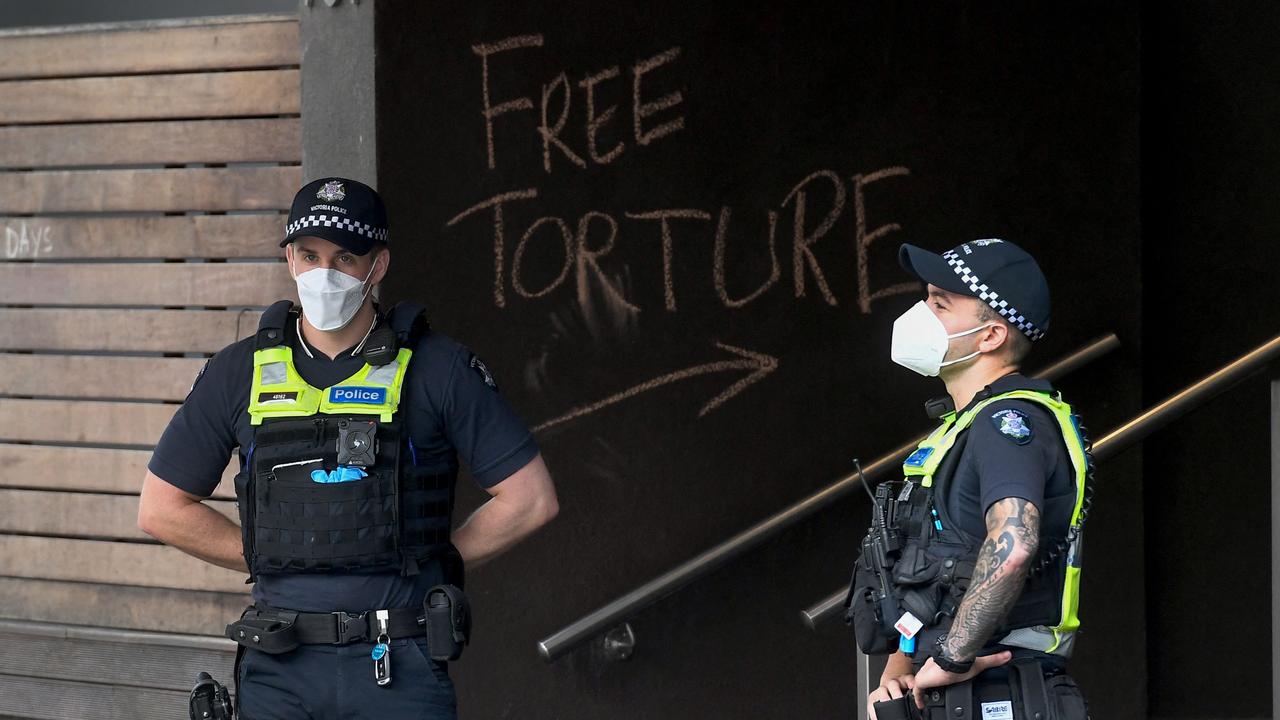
(483, 371)
(199, 375)
(1013, 424)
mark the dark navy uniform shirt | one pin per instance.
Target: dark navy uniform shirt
(997, 464)
(1021, 456)
(450, 407)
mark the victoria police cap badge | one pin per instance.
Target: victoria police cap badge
(332, 191)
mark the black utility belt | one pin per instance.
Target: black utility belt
(444, 619)
(1027, 693)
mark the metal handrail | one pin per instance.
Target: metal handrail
(1125, 436)
(609, 615)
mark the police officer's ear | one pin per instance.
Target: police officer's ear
(381, 261)
(994, 337)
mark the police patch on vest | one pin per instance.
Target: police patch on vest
(268, 398)
(361, 395)
(1013, 424)
(485, 375)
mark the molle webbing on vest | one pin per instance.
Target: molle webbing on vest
(310, 505)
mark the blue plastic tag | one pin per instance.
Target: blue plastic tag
(917, 458)
(906, 644)
(379, 651)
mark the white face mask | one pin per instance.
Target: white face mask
(920, 341)
(331, 298)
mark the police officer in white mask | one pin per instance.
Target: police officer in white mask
(983, 554)
(345, 575)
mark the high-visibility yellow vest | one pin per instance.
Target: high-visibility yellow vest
(922, 464)
(279, 391)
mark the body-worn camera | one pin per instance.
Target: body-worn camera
(357, 442)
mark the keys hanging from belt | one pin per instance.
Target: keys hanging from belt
(382, 651)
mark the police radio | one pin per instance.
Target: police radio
(871, 604)
(380, 347)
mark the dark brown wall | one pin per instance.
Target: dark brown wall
(1019, 123)
(1211, 169)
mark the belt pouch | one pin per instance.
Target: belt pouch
(271, 632)
(1031, 689)
(903, 708)
(448, 621)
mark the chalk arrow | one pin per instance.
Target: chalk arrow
(759, 364)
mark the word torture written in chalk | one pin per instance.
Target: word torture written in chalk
(578, 244)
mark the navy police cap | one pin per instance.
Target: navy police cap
(996, 272)
(344, 212)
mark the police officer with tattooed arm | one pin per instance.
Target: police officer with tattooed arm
(349, 420)
(970, 573)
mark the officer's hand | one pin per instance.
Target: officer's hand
(932, 676)
(890, 689)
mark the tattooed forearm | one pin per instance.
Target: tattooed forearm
(1013, 535)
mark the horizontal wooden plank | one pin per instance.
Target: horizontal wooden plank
(187, 236)
(52, 467)
(89, 376)
(83, 421)
(41, 699)
(158, 143)
(210, 47)
(204, 331)
(118, 606)
(113, 563)
(151, 97)
(82, 515)
(173, 190)
(159, 667)
(253, 284)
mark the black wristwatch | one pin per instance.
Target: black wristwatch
(956, 667)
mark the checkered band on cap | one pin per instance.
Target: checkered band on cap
(991, 297)
(355, 226)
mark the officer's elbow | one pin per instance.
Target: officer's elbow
(546, 509)
(544, 505)
(147, 520)
(151, 513)
(1020, 558)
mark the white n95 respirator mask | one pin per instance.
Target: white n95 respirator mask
(331, 298)
(920, 341)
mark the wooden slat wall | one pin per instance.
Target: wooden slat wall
(216, 45)
(143, 284)
(120, 606)
(83, 469)
(95, 660)
(141, 143)
(206, 189)
(145, 173)
(136, 331)
(36, 697)
(149, 97)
